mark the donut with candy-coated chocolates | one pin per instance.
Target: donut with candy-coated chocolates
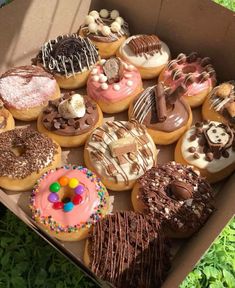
(196, 73)
(67, 201)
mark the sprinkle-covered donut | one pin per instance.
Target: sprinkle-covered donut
(67, 201)
(113, 84)
(128, 250)
(176, 195)
(196, 73)
(25, 155)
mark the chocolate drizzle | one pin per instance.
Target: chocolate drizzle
(145, 45)
(67, 55)
(175, 194)
(52, 120)
(161, 109)
(35, 152)
(126, 166)
(222, 99)
(129, 250)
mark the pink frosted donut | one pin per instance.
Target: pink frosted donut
(113, 84)
(67, 201)
(196, 73)
(25, 90)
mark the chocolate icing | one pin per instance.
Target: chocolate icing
(36, 152)
(129, 250)
(145, 45)
(52, 120)
(176, 115)
(68, 54)
(186, 214)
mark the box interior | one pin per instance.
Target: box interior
(185, 26)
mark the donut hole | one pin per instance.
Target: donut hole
(189, 69)
(66, 194)
(18, 150)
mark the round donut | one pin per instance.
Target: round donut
(166, 115)
(196, 73)
(67, 201)
(106, 33)
(147, 53)
(209, 147)
(70, 119)
(113, 84)
(25, 155)
(6, 120)
(137, 242)
(220, 104)
(177, 196)
(69, 58)
(120, 152)
(26, 90)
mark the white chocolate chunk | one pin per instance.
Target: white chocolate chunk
(103, 78)
(94, 14)
(129, 83)
(116, 87)
(114, 14)
(119, 20)
(105, 30)
(104, 86)
(115, 27)
(130, 67)
(89, 19)
(94, 71)
(73, 107)
(104, 13)
(95, 78)
(92, 27)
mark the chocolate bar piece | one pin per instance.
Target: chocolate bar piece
(145, 44)
(123, 146)
(113, 69)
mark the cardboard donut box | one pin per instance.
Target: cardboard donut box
(186, 26)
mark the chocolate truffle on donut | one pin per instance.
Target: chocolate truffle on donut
(165, 114)
(175, 195)
(70, 119)
(120, 152)
(67, 201)
(209, 147)
(6, 120)
(128, 249)
(25, 155)
(147, 53)
(106, 29)
(196, 73)
(113, 84)
(26, 90)
(69, 58)
(220, 104)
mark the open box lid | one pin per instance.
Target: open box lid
(196, 25)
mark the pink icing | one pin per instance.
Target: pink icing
(80, 213)
(19, 93)
(192, 89)
(95, 91)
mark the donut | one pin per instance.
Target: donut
(209, 147)
(6, 120)
(196, 73)
(25, 155)
(69, 58)
(128, 249)
(26, 90)
(70, 119)
(106, 29)
(220, 104)
(67, 201)
(165, 114)
(175, 195)
(113, 84)
(120, 152)
(147, 53)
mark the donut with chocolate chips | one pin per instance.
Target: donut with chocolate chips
(128, 249)
(196, 73)
(220, 104)
(25, 155)
(209, 147)
(69, 58)
(165, 114)
(70, 119)
(174, 194)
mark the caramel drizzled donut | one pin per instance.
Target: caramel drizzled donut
(128, 250)
(176, 195)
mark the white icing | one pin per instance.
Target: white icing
(148, 61)
(215, 165)
(104, 86)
